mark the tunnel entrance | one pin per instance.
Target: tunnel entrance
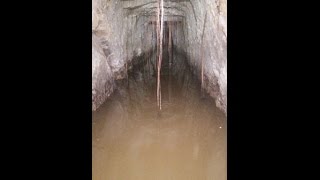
(132, 139)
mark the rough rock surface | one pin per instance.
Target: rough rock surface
(102, 76)
(125, 29)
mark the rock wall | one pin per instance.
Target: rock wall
(207, 29)
(102, 76)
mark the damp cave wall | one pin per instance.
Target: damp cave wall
(123, 30)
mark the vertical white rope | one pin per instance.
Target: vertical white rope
(158, 42)
(161, 12)
(160, 57)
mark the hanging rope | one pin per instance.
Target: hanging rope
(160, 33)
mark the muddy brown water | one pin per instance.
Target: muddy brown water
(132, 140)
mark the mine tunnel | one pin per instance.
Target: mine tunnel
(159, 89)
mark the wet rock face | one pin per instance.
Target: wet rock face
(102, 76)
(125, 29)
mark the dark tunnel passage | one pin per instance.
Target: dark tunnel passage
(131, 137)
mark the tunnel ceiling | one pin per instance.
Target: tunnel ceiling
(122, 28)
(173, 10)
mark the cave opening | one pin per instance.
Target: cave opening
(131, 137)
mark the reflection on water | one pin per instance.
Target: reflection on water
(133, 140)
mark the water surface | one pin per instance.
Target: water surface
(132, 140)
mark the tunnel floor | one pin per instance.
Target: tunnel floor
(131, 139)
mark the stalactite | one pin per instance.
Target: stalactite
(170, 59)
(127, 60)
(170, 46)
(201, 53)
(148, 57)
(153, 46)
